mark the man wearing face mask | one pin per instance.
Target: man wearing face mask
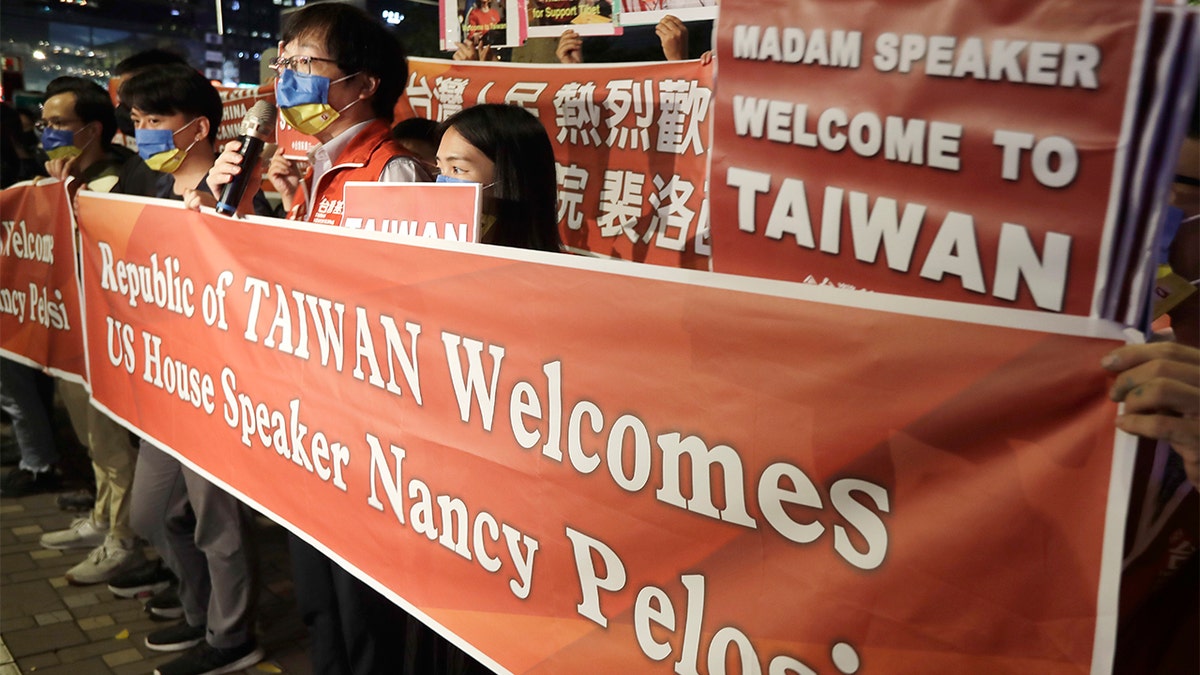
(76, 132)
(77, 126)
(340, 75)
(200, 530)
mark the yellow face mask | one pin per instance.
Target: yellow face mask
(304, 101)
(309, 118)
(157, 147)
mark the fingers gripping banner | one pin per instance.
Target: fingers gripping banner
(575, 465)
(630, 144)
(39, 294)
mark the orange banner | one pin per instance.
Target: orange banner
(925, 149)
(39, 294)
(630, 145)
(577, 465)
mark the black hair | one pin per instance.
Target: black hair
(417, 129)
(145, 59)
(92, 104)
(526, 184)
(359, 44)
(173, 89)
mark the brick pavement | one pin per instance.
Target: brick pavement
(49, 627)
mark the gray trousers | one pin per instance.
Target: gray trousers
(201, 533)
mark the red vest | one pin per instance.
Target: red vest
(364, 159)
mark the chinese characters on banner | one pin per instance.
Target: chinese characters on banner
(40, 323)
(630, 145)
(698, 477)
(925, 150)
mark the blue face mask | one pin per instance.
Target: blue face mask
(303, 101)
(443, 178)
(157, 147)
(59, 143)
(150, 142)
(292, 90)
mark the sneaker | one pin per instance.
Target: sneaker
(176, 638)
(22, 482)
(106, 561)
(149, 579)
(205, 659)
(79, 500)
(165, 604)
(83, 533)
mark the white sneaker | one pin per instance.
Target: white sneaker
(83, 533)
(106, 561)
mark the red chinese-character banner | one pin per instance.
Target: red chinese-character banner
(39, 294)
(630, 146)
(574, 465)
(926, 148)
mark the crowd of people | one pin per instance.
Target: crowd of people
(340, 74)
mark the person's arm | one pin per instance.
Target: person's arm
(471, 49)
(404, 169)
(570, 47)
(285, 175)
(1159, 383)
(674, 37)
(228, 165)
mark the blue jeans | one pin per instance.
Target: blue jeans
(21, 399)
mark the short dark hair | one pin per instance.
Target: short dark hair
(359, 44)
(92, 104)
(526, 183)
(145, 59)
(173, 89)
(416, 129)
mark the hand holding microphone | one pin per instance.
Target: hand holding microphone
(234, 170)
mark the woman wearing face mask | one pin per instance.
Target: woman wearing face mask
(505, 149)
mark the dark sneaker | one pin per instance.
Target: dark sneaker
(79, 500)
(208, 660)
(148, 579)
(165, 604)
(176, 638)
(22, 482)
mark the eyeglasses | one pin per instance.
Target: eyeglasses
(54, 123)
(302, 65)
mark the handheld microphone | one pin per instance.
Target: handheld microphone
(256, 129)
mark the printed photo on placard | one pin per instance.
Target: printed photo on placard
(493, 23)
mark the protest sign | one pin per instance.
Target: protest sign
(447, 211)
(493, 23)
(630, 147)
(550, 18)
(39, 294)
(642, 12)
(575, 465)
(921, 150)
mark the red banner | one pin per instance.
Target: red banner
(575, 465)
(630, 145)
(39, 294)
(926, 148)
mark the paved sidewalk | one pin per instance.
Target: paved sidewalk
(49, 627)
